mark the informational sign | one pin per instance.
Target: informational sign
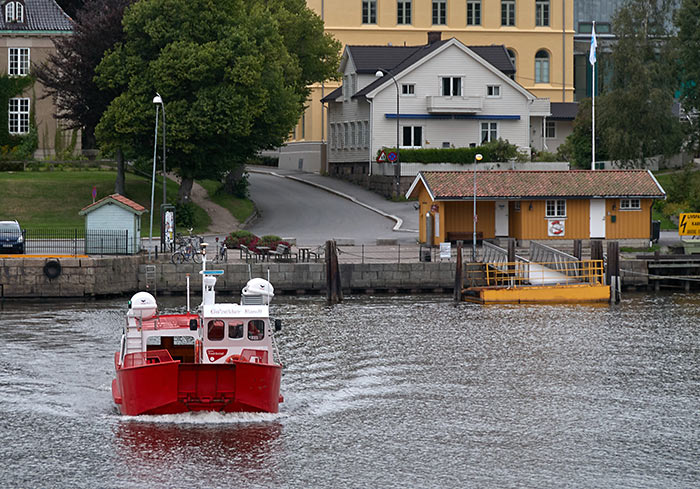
(382, 157)
(555, 227)
(446, 250)
(169, 228)
(689, 224)
(392, 156)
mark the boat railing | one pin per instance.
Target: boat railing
(514, 274)
(141, 358)
(555, 259)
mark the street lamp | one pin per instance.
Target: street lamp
(397, 169)
(156, 100)
(477, 158)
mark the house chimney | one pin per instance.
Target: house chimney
(434, 36)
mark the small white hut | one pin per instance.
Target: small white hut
(113, 226)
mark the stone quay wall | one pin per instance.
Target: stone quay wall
(113, 276)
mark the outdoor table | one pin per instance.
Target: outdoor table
(264, 252)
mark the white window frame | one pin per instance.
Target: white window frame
(493, 91)
(18, 115)
(473, 12)
(352, 135)
(508, 13)
(630, 204)
(14, 12)
(413, 136)
(408, 89)
(542, 13)
(369, 11)
(404, 12)
(550, 129)
(555, 208)
(490, 129)
(439, 12)
(452, 79)
(346, 135)
(542, 67)
(18, 61)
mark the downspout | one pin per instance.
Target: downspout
(371, 133)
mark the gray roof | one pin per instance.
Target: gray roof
(563, 111)
(39, 15)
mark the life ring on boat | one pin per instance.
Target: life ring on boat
(233, 358)
(52, 268)
(197, 351)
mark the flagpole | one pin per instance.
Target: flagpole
(592, 59)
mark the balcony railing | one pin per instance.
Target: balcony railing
(454, 105)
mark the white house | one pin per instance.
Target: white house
(449, 95)
(113, 226)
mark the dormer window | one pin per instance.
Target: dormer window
(14, 12)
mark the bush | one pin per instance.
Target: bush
(185, 215)
(242, 237)
(494, 151)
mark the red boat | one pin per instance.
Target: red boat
(221, 358)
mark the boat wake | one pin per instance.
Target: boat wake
(205, 418)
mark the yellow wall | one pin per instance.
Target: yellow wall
(343, 19)
(628, 224)
(460, 218)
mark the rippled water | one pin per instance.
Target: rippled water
(406, 391)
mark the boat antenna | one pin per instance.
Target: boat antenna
(188, 293)
(268, 281)
(250, 271)
(204, 267)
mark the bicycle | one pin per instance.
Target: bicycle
(185, 254)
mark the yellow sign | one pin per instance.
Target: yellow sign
(689, 224)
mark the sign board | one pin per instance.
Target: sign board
(392, 156)
(382, 157)
(689, 224)
(446, 250)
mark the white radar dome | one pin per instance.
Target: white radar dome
(143, 305)
(259, 286)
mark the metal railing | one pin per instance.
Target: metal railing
(80, 242)
(520, 273)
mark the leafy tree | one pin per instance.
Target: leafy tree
(635, 116)
(233, 76)
(71, 7)
(688, 23)
(68, 75)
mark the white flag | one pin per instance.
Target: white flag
(594, 44)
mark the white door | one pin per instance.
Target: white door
(597, 218)
(501, 218)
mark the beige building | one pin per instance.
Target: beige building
(27, 32)
(539, 36)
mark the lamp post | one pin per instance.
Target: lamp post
(477, 158)
(397, 169)
(153, 180)
(158, 100)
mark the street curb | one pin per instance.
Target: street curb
(398, 220)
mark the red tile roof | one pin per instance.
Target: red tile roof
(119, 198)
(528, 184)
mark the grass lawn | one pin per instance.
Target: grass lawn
(53, 199)
(241, 209)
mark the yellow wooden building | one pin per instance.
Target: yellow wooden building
(536, 205)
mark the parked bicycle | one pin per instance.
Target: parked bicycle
(186, 254)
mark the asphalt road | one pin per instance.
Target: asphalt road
(288, 208)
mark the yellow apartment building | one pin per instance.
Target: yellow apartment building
(539, 36)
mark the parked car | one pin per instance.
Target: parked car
(11, 237)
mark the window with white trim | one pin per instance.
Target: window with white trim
(412, 137)
(550, 129)
(473, 12)
(331, 135)
(493, 91)
(507, 12)
(19, 116)
(541, 13)
(352, 135)
(346, 139)
(451, 86)
(403, 12)
(14, 12)
(511, 55)
(366, 134)
(556, 208)
(489, 132)
(369, 11)
(439, 12)
(630, 204)
(542, 66)
(408, 89)
(18, 61)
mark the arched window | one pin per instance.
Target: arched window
(542, 66)
(511, 55)
(14, 12)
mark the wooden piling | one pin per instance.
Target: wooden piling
(334, 290)
(578, 249)
(459, 282)
(612, 272)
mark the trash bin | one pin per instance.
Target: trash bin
(424, 254)
(655, 231)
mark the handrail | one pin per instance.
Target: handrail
(514, 274)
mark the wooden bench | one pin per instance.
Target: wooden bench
(466, 236)
(283, 253)
(250, 256)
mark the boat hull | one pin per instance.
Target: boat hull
(168, 386)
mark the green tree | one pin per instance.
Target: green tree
(577, 148)
(635, 117)
(688, 23)
(233, 76)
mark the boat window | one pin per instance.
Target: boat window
(235, 330)
(153, 340)
(215, 330)
(256, 329)
(183, 340)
